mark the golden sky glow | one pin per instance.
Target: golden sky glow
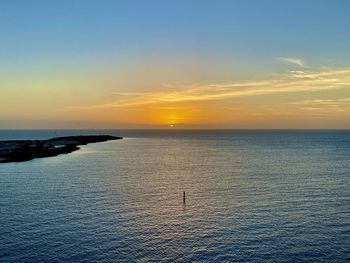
(308, 97)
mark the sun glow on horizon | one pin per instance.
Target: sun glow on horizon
(286, 97)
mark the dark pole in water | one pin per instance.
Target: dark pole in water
(184, 197)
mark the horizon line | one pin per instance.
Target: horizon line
(177, 129)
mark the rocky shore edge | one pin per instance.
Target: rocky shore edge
(25, 150)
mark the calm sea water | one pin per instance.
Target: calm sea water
(272, 196)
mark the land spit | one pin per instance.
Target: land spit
(25, 150)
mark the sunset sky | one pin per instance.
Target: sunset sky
(174, 64)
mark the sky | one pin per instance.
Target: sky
(182, 64)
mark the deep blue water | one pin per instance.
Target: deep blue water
(252, 196)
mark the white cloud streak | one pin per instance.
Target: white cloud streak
(295, 61)
(292, 82)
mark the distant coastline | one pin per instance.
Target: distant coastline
(25, 150)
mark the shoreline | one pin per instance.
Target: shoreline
(25, 150)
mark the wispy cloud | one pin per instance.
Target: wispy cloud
(324, 106)
(291, 82)
(327, 102)
(295, 61)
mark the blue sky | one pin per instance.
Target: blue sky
(42, 30)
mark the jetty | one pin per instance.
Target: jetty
(25, 150)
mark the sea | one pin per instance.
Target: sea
(250, 196)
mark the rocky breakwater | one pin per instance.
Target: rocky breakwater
(17, 151)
